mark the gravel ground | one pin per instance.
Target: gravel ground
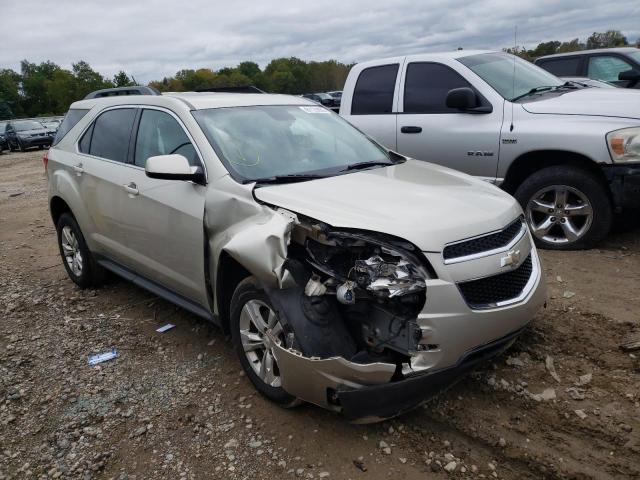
(563, 402)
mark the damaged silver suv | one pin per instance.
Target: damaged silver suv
(347, 275)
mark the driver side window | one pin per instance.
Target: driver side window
(160, 134)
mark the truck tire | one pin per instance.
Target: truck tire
(567, 208)
(251, 314)
(76, 256)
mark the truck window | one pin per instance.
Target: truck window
(562, 67)
(111, 134)
(374, 90)
(607, 68)
(426, 87)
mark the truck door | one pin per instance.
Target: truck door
(372, 102)
(428, 130)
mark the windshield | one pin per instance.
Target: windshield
(258, 142)
(27, 125)
(509, 75)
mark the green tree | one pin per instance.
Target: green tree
(10, 91)
(121, 79)
(5, 111)
(87, 79)
(608, 39)
(571, 46)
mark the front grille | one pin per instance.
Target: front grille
(486, 292)
(483, 244)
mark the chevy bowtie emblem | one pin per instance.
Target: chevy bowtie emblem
(512, 258)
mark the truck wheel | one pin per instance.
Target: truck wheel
(76, 257)
(566, 208)
(251, 315)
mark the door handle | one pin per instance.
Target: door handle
(411, 129)
(78, 169)
(132, 189)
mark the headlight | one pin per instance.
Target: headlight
(624, 145)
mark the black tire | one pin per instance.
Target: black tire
(247, 290)
(583, 183)
(91, 274)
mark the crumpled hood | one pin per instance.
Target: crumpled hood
(423, 203)
(609, 102)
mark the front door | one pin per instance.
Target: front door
(428, 130)
(163, 219)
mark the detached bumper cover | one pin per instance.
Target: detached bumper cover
(624, 181)
(384, 401)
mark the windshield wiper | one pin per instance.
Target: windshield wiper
(533, 91)
(295, 177)
(362, 165)
(565, 85)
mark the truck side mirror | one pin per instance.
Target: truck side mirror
(632, 75)
(466, 100)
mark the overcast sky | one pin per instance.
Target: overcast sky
(150, 39)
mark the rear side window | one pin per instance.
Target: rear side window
(110, 134)
(160, 134)
(374, 90)
(562, 67)
(427, 85)
(71, 119)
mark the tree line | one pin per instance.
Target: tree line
(608, 39)
(48, 89)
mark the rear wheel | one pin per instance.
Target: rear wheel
(78, 260)
(252, 315)
(566, 208)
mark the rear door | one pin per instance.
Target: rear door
(372, 102)
(162, 220)
(103, 154)
(428, 130)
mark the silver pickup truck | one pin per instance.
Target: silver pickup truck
(569, 154)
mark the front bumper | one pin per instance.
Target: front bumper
(36, 141)
(455, 339)
(624, 181)
(375, 403)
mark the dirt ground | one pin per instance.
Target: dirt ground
(176, 406)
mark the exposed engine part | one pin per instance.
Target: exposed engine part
(388, 277)
(315, 287)
(345, 293)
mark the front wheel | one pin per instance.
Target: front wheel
(252, 315)
(78, 261)
(566, 208)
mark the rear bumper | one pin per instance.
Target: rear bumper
(624, 181)
(374, 403)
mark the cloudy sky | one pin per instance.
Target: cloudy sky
(150, 39)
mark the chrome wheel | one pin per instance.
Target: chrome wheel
(256, 318)
(559, 214)
(71, 250)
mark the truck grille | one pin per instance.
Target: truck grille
(487, 292)
(485, 243)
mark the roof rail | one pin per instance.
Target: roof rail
(239, 89)
(134, 90)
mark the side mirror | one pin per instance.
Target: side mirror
(462, 98)
(172, 167)
(466, 100)
(629, 75)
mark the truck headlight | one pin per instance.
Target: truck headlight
(624, 145)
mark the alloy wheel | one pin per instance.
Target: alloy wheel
(71, 250)
(559, 214)
(256, 318)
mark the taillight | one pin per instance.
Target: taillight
(45, 160)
